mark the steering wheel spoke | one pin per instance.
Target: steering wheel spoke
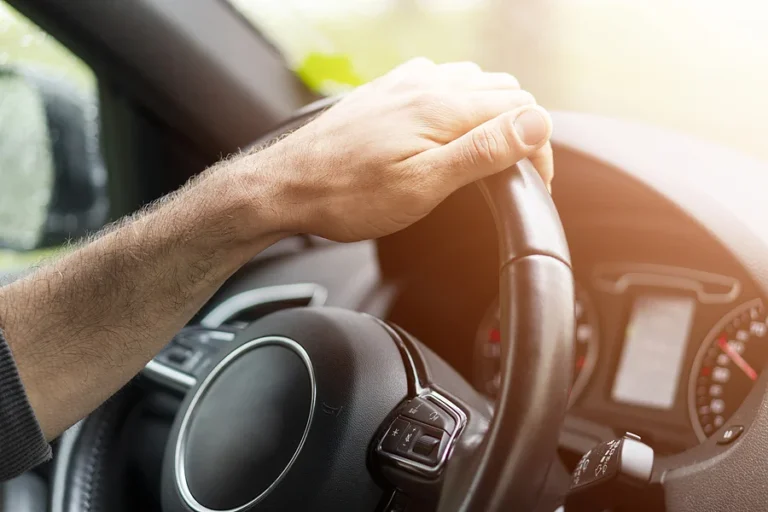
(188, 356)
(440, 421)
(299, 406)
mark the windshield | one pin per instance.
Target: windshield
(697, 66)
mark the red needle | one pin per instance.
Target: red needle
(736, 358)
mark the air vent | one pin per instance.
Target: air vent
(251, 305)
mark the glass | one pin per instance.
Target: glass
(48, 140)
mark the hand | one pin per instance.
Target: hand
(392, 150)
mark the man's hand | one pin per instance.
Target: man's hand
(392, 150)
(385, 156)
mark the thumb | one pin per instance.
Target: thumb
(498, 144)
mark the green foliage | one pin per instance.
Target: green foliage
(327, 73)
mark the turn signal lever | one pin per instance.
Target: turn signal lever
(614, 475)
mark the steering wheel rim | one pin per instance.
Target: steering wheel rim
(510, 462)
(536, 290)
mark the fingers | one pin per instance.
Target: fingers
(543, 161)
(497, 145)
(482, 106)
(502, 122)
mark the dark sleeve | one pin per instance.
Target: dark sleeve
(22, 444)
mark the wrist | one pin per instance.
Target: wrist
(247, 200)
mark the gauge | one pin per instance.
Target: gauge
(488, 347)
(729, 361)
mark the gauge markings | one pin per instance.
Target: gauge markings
(734, 356)
(726, 367)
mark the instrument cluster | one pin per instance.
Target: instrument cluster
(666, 351)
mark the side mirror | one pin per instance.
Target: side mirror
(52, 178)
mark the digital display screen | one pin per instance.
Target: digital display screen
(654, 345)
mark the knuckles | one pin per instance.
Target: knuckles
(486, 146)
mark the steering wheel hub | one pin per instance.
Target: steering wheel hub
(349, 438)
(231, 453)
(285, 417)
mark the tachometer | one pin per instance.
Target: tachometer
(488, 348)
(729, 361)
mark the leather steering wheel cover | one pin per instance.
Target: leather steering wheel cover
(87, 473)
(509, 467)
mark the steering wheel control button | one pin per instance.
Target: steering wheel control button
(408, 439)
(422, 444)
(394, 435)
(426, 445)
(232, 452)
(730, 434)
(178, 355)
(196, 337)
(428, 448)
(610, 475)
(426, 411)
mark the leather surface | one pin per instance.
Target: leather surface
(360, 378)
(91, 479)
(526, 219)
(509, 468)
(736, 476)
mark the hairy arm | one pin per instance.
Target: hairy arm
(80, 327)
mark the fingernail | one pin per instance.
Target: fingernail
(531, 127)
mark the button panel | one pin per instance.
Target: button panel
(408, 439)
(415, 441)
(421, 434)
(426, 411)
(189, 354)
(394, 434)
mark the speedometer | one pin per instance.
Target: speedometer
(487, 362)
(726, 366)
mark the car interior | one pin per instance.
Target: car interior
(601, 349)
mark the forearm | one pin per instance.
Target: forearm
(81, 326)
(380, 160)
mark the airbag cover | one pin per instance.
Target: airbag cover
(237, 450)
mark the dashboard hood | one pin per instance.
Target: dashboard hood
(720, 189)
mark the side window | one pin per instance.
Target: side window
(52, 177)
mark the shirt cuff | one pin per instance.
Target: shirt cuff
(22, 443)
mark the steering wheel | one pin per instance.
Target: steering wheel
(330, 409)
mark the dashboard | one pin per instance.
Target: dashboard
(665, 352)
(670, 332)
